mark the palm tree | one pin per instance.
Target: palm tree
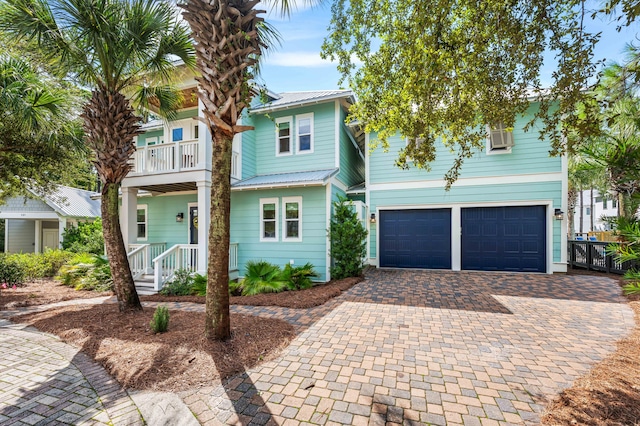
(125, 51)
(229, 38)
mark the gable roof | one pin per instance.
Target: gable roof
(72, 202)
(289, 99)
(316, 177)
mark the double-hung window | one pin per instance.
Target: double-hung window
(304, 132)
(292, 218)
(268, 219)
(141, 222)
(499, 139)
(284, 136)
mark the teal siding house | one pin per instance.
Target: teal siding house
(285, 175)
(504, 213)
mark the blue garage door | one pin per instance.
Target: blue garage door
(504, 239)
(415, 239)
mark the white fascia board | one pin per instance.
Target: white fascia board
(281, 185)
(29, 215)
(473, 181)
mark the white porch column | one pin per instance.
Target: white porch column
(128, 213)
(204, 207)
(38, 237)
(62, 226)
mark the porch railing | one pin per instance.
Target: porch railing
(593, 255)
(140, 257)
(170, 157)
(184, 256)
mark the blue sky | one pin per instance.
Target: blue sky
(297, 66)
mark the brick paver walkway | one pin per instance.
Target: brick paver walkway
(410, 347)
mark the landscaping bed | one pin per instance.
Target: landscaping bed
(42, 292)
(300, 299)
(176, 360)
(609, 394)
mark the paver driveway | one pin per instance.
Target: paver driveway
(435, 347)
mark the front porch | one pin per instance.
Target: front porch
(153, 264)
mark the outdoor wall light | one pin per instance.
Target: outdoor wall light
(373, 218)
(180, 217)
(559, 214)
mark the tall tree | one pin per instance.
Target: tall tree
(40, 142)
(125, 51)
(444, 69)
(229, 37)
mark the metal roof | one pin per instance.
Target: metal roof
(72, 202)
(316, 177)
(288, 99)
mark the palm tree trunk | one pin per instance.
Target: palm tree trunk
(116, 252)
(218, 325)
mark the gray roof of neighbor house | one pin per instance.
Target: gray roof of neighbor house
(72, 202)
(288, 99)
(316, 177)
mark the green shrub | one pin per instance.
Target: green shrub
(298, 277)
(348, 241)
(40, 265)
(160, 321)
(85, 238)
(199, 287)
(11, 271)
(180, 285)
(261, 277)
(87, 272)
(54, 259)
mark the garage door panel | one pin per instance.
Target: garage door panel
(415, 238)
(511, 238)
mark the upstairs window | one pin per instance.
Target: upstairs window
(268, 219)
(305, 132)
(141, 222)
(176, 134)
(292, 219)
(283, 136)
(500, 139)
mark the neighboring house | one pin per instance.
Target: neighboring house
(603, 206)
(38, 223)
(498, 216)
(285, 175)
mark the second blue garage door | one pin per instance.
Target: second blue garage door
(504, 239)
(415, 239)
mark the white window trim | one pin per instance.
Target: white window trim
(146, 222)
(287, 119)
(286, 200)
(264, 201)
(195, 126)
(498, 151)
(302, 117)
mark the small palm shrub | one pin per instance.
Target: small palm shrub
(160, 321)
(627, 251)
(299, 277)
(261, 277)
(87, 272)
(180, 285)
(199, 287)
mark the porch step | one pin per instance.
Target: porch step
(145, 288)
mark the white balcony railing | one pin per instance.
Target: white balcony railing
(164, 158)
(140, 257)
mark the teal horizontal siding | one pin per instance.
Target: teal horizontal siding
(245, 229)
(424, 197)
(351, 164)
(161, 212)
(248, 149)
(529, 155)
(323, 156)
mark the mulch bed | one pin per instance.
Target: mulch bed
(301, 299)
(42, 292)
(179, 359)
(609, 394)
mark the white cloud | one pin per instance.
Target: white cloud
(298, 59)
